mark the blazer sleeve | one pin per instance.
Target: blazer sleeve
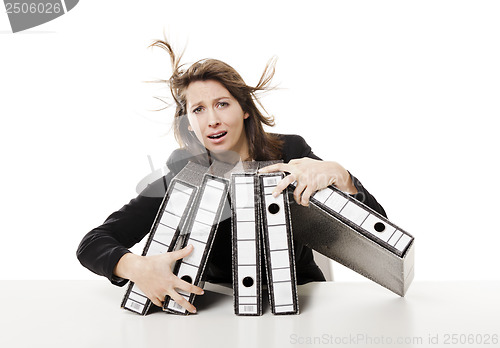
(296, 147)
(101, 248)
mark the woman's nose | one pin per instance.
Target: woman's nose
(213, 119)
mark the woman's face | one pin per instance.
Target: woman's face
(216, 118)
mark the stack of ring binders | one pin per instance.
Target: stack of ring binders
(335, 224)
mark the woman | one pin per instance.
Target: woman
(216, 117)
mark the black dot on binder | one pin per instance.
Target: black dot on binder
(379, 227)
(187, 279)
(248, 281)
(273, 208)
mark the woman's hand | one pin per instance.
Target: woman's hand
(311, 175)
(153, 275)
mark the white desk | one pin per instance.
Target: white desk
(88, 314)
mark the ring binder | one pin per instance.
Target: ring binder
(170, 218)
(351, 233)
(200, 231)
(279, 252)
(245, 204)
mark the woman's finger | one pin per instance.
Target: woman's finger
(278, 167)
(297, 193)
(179, 254)
(181, 301)
(283, 184)
(306, 195)
(157, 301)
(188, 287)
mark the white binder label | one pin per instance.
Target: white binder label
(282, 274)
(280, 259)
(395, 237)
(378, 228)
(278, 238)
(247, 214)
(170, 220)
(403, 242)
(179, 198)
(246, 252)
(156, 248)
(282, 294)
(323, 195)
(335, 201)
(354, 213)
(164, 234)
(246, 230)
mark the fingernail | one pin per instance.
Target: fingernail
(202, 292)
(275, 194)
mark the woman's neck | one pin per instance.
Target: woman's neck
(230, 157)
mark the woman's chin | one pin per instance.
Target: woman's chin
(225, 155)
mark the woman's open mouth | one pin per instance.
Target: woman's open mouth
(217, 137)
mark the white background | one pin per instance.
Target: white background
(403, 94)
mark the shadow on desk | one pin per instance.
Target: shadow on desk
(217, 294)
(211, 298)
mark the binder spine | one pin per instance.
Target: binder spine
(200, 232)
(247, 281)
(279, 252)
(171, 216)
(364, 219)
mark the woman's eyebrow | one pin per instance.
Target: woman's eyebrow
(219, 98)
(213, 100)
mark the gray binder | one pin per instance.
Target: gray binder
(246, 225)
(200, 231)
(278, 247)
(169, 220)
(349, 232)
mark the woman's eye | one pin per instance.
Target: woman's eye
(222, 104)
(197, 110)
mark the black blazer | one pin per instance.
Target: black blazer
(102, 247)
